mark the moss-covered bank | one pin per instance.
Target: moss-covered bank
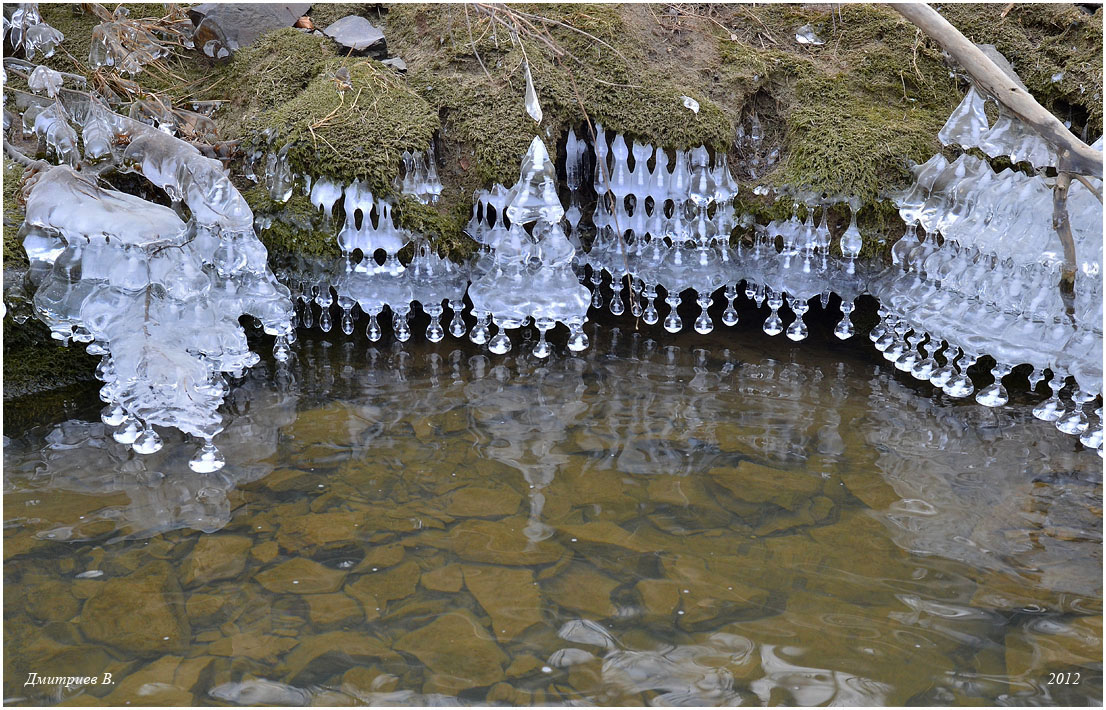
(845, 117)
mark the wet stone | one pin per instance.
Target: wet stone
(265, 552)
(202, 607)
(143, 613)
(457, 647)
(242, 23)
(381, 556)
(152, 684)
(477, 502)
(499, 542)
(659, 597)
(710, 592)
(319, 657)
(386, 585)
(300, 576)
(333, 609)
(215, 557)
(583, 589)
(448, 578)
(509, 596)
(308, 532)
(259, 647)
(356, 33)
(754, 483)
(47, 599)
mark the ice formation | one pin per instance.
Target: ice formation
(419, 176)
(670, 228)
(527, 274)
(124, 44)
(157, 298)
(982, 278)
(26, 31)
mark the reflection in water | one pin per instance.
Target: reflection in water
(644, 523)
(163, 493)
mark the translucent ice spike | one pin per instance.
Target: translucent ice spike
(536, 191)
(620, 183)
(1011, 138)
(575, 150)
(967, 124)
(44, 80)
(358, 208)
(911, 201)
(325, 193)
(433, 184)
(97, 133)
(52, 126)
(532, 106)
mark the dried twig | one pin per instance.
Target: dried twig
(472, 43)
(1062, 225)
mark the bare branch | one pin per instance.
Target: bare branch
(1082, 159)
(1062, 225)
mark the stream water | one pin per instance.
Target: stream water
(658, 520)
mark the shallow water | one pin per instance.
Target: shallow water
(721, 520)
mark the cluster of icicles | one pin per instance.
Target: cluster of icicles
(661, 223)
(982, 279)
(270, 167)
(156, 297)
(661, 228)
(524, 273)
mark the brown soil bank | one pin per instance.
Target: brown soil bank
(847, 116)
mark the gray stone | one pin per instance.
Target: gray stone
(395, 63)
(235, 25)
(355, 32)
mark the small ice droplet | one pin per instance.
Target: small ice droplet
(691, 104)
(91, 574)
(805, 35)
(546, 669)
(1057, 77)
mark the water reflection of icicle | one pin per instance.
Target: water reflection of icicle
(82, 457)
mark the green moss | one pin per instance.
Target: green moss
(13, 215)
(1041, 42)
(272, 71)
(296, 227)
(359, 133)
(34, 363)
(441, 223)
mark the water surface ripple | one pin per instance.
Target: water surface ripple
(709, 523)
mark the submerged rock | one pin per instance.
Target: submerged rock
(356, 33)
(300, 576)
(141, 613)
(456, 645)
(215, 557)
(322, 656)
(510, 596)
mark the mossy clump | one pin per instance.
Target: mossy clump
(13, 215)
(355, 127)
(295, 227)
(269, 73)
(1056, 49)
(34, 363)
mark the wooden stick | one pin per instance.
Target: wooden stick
(1082, 159)
(1062, 225)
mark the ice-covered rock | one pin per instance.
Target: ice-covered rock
(356, 33)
